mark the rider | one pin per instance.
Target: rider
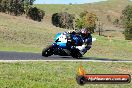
(87, 40)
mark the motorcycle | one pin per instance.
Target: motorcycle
(65, 44)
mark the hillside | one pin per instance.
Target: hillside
(113, 7)
(19, 33)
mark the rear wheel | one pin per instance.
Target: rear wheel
(76, 54)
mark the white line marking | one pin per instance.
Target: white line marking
(61, 61)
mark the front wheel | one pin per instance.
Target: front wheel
(47, 52)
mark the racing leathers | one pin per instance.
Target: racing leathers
(87, 42)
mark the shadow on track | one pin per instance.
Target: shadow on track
(85, 59)
(102, 59)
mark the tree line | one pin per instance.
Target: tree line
(20, 7)
(127, 22)
(88, 20)
(66, 20)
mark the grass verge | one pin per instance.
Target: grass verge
(57, 74)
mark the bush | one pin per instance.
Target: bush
(86, 20)
(63, 20)
(127, 22)
(19, 7)
(128, 33)
(35, 14)
(15, 7)
(109, 18)
(116, 22)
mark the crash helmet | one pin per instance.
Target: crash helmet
(84, 32)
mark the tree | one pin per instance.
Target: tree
(116, 22)
(19, 7)
(15, 7)
(86, 20)
(27, 4)
(63, 20)
(109, 18)
(3, 5)
(127, 22)
(35, 14)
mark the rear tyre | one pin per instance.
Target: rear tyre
(76, 54)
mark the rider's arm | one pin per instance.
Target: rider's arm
(88, 41)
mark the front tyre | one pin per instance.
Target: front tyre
(47, 52)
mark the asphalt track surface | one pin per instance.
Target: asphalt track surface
(22, 56)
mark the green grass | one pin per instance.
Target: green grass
(57, 74)
(114, 48)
